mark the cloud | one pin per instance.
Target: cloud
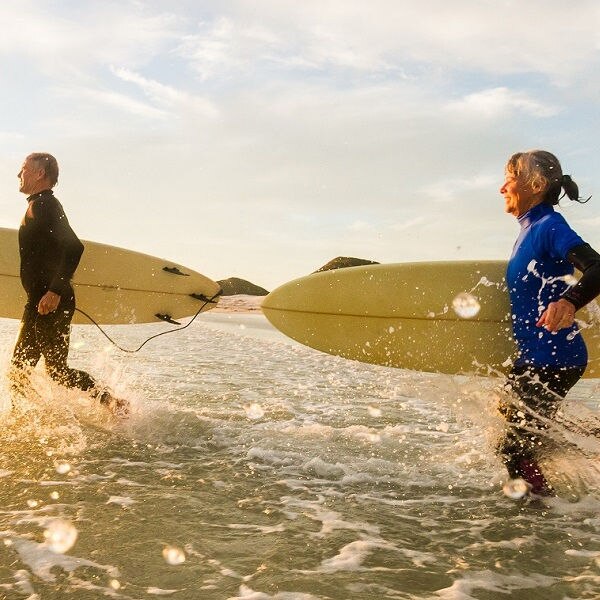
(167, 96)
(398, 36)
(224, 46)
(408, 224)
(61, 43)
(448, 190)
(105, 97)
(360, 227)
(500, 101)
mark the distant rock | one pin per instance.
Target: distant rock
(341, 262)
(234, 286)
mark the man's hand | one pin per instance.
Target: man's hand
(49, 303)
(558, 315)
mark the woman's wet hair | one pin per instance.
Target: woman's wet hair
(46, 161)
(542, 169)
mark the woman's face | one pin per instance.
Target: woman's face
(519, 197)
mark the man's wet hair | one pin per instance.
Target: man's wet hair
(46, 161)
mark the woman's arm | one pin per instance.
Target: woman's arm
(561, 314)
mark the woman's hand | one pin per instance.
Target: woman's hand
(558, 315)
(49, 303)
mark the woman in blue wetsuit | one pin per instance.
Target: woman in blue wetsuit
(552, 354)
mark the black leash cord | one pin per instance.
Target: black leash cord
(208, 301)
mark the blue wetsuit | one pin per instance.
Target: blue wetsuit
(535, 277)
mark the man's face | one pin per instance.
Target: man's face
(29, 177)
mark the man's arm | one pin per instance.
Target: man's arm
(71, 251)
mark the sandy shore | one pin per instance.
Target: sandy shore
(240, 303)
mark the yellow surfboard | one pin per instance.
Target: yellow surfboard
(114, 285)
(441, 317)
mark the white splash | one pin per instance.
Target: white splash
(254, 411)
(515, 488)
(63, 468)
(60, 535)
(373, 411)
(466, 305)
(173, 555)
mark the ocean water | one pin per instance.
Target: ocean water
(252, 467)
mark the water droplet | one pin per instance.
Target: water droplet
(254, 411)
(63, 468)
(515, 488)
(374, 411)
(54, 495)
(60, 535)
(391, 329)
(466, 305)
(173, 555)
(115, 584)
(32, 503)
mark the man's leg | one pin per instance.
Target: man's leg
(54, 333)
(26, 354)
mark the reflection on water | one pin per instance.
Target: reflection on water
(253, 467)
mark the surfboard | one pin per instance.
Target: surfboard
(443, 317)
(114, 285)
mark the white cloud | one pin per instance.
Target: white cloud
(451, 189)
(405, 225)
(360, 226)
(100, 33)
(500, 101)
(100, 97)
(167, 96)
(224, 46)
(387, 36)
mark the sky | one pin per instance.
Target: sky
(262, 138)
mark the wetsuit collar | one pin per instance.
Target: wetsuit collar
(39, 195)
(535, 213)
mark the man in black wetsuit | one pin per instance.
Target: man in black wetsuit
(50, 252)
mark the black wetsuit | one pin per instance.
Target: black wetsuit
(50, 252)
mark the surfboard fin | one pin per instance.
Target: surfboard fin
(205, 299)
(175, 271)
(166, 319)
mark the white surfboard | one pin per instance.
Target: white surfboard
(115, 286)
(403, 315)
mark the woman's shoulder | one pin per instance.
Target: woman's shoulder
(555, 235)
(551, 220)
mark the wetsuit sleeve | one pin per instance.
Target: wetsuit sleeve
(587, 260)
(70, 251)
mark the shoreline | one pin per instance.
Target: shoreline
(239, 303)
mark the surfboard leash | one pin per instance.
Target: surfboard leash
(161, 317)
